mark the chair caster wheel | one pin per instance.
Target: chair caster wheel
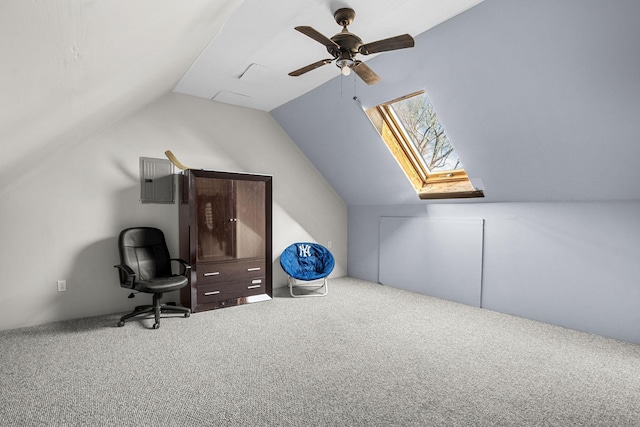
(121, 323)
(187, 315)
(156, 325)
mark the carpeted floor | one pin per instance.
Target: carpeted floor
(365, 355)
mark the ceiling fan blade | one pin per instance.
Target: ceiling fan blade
(317, 36)
(310, 67)
(365, 73)
(392, 43)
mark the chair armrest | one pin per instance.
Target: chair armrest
(185, 266)
(127, 275)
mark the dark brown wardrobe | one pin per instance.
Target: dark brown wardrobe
(225, 234)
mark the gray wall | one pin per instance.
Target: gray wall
(570, 264)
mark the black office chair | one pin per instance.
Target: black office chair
(145, 266)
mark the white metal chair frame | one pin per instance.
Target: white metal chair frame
(318, 283)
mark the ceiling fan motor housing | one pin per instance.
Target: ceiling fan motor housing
(348, 42)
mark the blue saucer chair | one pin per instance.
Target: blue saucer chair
(307, 265)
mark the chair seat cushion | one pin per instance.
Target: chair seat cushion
(307, 261)
(162, 284)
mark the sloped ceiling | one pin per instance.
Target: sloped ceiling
(541, 99)
(70, 68)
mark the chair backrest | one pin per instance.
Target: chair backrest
(307, 261)
(144, 249)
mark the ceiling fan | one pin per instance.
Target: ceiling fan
(344, 47)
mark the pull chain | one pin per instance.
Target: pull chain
(355, 95)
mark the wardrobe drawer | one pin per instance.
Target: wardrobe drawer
(226, 271)
(231, 290)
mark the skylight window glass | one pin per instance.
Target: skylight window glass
(422, 127)
(416, 138)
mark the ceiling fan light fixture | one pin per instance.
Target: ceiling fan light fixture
(345, 65)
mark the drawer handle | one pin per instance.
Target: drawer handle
(253, 282)
(253, 287)
(254, 269)
(206, 294)
(215, 273)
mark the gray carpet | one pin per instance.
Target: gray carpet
(365, 355)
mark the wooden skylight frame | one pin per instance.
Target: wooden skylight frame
(450, 184)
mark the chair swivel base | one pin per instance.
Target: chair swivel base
(157, 309)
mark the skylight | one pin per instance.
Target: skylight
(411, 129)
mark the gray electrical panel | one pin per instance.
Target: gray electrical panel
(156, 181)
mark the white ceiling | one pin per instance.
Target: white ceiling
(70, 68)
(248, 61)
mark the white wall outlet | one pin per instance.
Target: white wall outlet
(62, 285)
(329, 243)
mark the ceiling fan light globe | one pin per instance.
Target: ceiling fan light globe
(345, 65)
